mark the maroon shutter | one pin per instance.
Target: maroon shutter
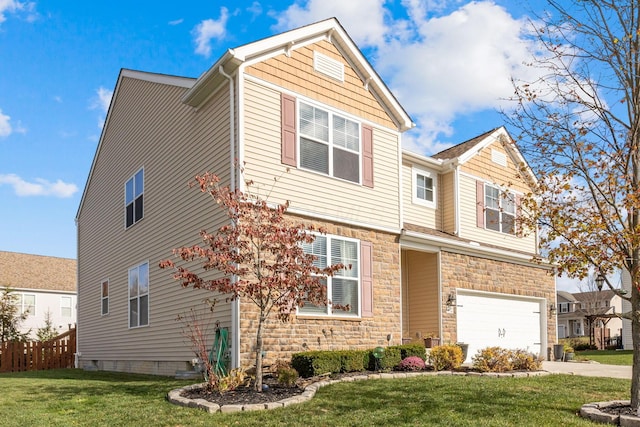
(480, 204)
(517, 223)
(288, 119)
(366, 279)
(367, 156)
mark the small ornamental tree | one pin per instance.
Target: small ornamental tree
(260, 253)
(11, 317)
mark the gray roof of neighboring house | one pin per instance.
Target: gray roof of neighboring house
(19, 270)
(567, 296)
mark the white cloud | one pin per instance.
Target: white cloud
(40, 187)
(176, 22)
(255, 9)
(208, 30)
(13, 7)
(439, 66)
(364, 20)
(101, 102)
(5, 126)
(456, 64)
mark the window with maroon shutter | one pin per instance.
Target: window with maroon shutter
(288, 118)
(367, 156)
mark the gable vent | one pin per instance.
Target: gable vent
(499, 158)
(328, 66)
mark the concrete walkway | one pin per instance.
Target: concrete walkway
(587, 369)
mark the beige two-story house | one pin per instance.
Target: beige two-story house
(304, 106)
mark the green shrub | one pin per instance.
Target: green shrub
(353, 360)
(287, 376)
(492, 359)
(312, 363)
(446, 357)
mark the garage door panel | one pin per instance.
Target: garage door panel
(497, 320)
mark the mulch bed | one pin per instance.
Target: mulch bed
(246, 395)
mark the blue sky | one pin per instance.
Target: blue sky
(448, 62)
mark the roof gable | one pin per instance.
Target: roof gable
(284, 43)
(464, 152)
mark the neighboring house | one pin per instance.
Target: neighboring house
(590, 314)
(42, 284)
(433, 241)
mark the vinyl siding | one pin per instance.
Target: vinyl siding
(420, 314)
(447, 204)
(470, 230)
(483, 167)
(296, 74)
(417, 214)
(148, 127)
(313, 192)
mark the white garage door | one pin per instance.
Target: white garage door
(487, 320)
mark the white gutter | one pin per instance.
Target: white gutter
(235, 304)
(456, 201)
(470, 247)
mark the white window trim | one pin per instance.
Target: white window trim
(415, 171)
(500, 209)
(133, 178)
(103, 298)
(332, 112)
(138, 298)
(22, 303)
(70, 307)
(329, 312)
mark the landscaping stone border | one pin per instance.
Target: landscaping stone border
(175, 396)
(592, 411)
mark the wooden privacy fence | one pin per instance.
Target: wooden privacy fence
(59, 352)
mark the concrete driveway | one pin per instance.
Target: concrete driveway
(587, 369)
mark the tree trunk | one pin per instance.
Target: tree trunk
(635, 335)
(259, 345)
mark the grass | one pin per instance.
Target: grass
(607, 357)
(78, 398)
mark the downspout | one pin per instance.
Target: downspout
(456, 201)
(235, 304)
(77, 354)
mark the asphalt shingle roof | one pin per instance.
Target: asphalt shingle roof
(19, 270)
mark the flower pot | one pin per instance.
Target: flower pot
(431, 342)
(568, 356)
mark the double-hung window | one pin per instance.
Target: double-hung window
(134, 198)
(343, 295)
(139, 295)
(27, 304)
(424, 187)
(500, 210)
(104, 297)
(329, 143)
(66, 306)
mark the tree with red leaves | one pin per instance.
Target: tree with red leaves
(261, 255)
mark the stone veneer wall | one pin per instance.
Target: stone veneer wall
(460, 271)
(304, 333)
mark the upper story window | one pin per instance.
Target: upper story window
(424, 187)
(343, 288)
(139, 295)
(134, 198)
(563, 307)
(66, 306)
(329, 143)
(27, 304)
(500, 210)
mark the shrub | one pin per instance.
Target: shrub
(524, 361)
(492, 359)
(234, 379)
(287, 376)
(412, 363)
(498, 359)
(446, 357)
(586, 346)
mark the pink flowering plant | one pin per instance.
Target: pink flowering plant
(412, 363)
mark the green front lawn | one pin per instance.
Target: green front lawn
(607, 357)
(78, 398)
